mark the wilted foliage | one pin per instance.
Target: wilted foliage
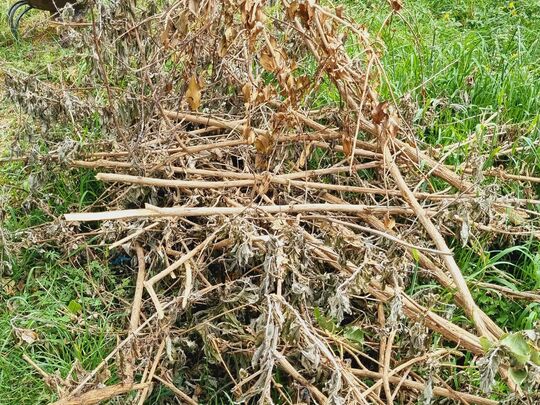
(239, 136)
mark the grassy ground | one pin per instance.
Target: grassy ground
(460, 67)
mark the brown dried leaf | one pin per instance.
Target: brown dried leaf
(392, 125)
(264, 185)
(247, 92)
(193, 94)
(292, 9)
(265, 95)
(306, 11)
(27, 336)
(164, 37)
(346, 142)
(182, 23)
(396, 5)
(389, 222)
(379, 113)
(264, 143)
(194, 6)
(267, 61)
(249, 135)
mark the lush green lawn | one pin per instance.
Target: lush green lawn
(459, 68)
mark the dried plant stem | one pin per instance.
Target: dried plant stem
(411, 309)
(128, 339)
(134, 235)
(406, 365)
(180, 394)
(287, 181)
(386, 367)
(286, 366)
(381, 318)
(139, 286)
(100, 394)
(512, 294)
(41, 372)
(210, 121)
(188, 284)
(157, 212)
(152, 372)
(413, 154)
(149, 285)
(489, 330)
(503, 175)
(440, 392)
(384, 235)
(423, 259)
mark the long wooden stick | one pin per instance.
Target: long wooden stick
(283, 180)
(151, 211)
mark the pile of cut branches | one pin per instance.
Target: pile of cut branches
(278, 210)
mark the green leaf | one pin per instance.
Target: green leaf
(415, 254)
(354, 334)
(518, 375)
(518, 346)
(485, 343)
(74, 307)
(324, 322)
(535, 357)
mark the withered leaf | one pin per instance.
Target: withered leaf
(306, 11)
(168, 87)
(264, 143)
(292, 9)
(27, 336)
(346, 142)
(194, 6)
(182, 23)
(249, 135)
(392, 126)
(389, 222)
(247, 91)
(396, 5)
(265, 95)
(193, 94)
(166, 33)
(267, 61)
(379, 113)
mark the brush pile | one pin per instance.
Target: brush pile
(278, 211)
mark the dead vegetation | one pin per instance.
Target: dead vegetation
(276, 208)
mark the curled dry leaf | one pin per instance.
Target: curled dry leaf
(27, 336)
(249, 135)
(389, 222)
(264, 143)
(346, 142)
(193, 93)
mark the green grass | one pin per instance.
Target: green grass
(73, 309)
(460, 62)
